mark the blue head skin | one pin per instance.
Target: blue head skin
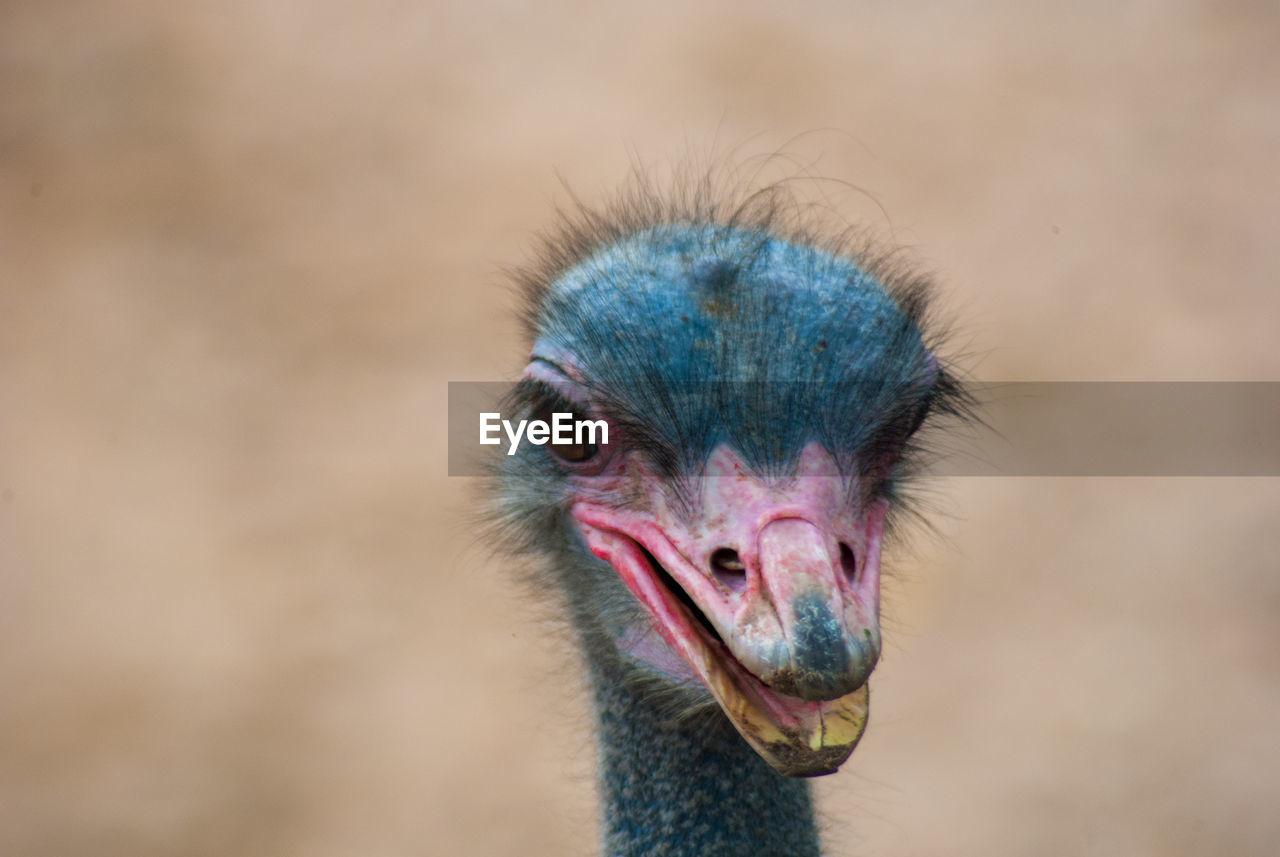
(761, 395)
(699, 335)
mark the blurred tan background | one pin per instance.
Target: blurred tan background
(244, 246)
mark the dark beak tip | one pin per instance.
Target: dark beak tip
(826, 664)
(818, 685)
(829, 687)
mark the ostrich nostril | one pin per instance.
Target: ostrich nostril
(727, 567)
(849, 564)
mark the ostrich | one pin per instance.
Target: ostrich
(755, 392)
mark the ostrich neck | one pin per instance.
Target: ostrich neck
(690, 789)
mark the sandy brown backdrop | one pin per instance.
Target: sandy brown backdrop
(244, 246)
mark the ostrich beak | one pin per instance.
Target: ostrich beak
(786, 641)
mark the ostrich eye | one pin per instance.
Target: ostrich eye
(574, 451)
(571, 452)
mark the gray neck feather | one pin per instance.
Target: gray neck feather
(690, 787)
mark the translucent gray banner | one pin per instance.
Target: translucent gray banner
(1035, 429)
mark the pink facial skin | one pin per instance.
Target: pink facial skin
(787, 534)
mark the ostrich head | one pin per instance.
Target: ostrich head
(760, 390)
